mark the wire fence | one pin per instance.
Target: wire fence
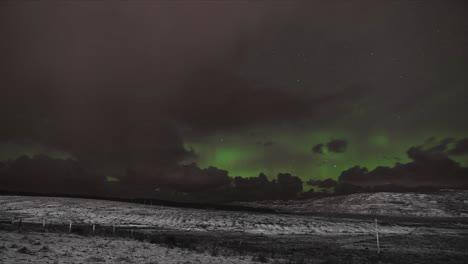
(74, 227)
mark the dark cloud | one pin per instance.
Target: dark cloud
(212, 185)
(46, 175)
(328, 183)
(318, 149)
(242, 103)
(441, 146)
(285, 186)
(190, 178)
(427, 168)
(42, 174)
(119, 86)
(334, 145)
(460, 148)
(337, 145)
(446, 146)
(117, 102)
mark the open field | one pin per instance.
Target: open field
(158, 234)
(87, 211)
(35, 247)
(441, 204)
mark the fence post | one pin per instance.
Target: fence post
(131, 232)
(70, 227)
(43, 224)
(377, 235)
(94, 228)
(113, 229)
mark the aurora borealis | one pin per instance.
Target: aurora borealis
(132, 91)
(248, 156)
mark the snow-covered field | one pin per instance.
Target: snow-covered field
(60, 248)
(85, 211)
(162, 234)
(443, 204)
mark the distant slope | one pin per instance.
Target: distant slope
(87, 212)
(152, 201)
(442, 204)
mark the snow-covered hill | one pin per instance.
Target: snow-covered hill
(85, 211)
(442, 204)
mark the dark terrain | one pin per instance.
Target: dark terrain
(402, 239)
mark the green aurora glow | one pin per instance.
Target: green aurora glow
(13, 151)
(245, 156)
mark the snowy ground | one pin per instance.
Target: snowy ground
(443, 204)
(85, 211)
(184, 235)
(38, 248)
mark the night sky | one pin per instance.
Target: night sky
(310, 89)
